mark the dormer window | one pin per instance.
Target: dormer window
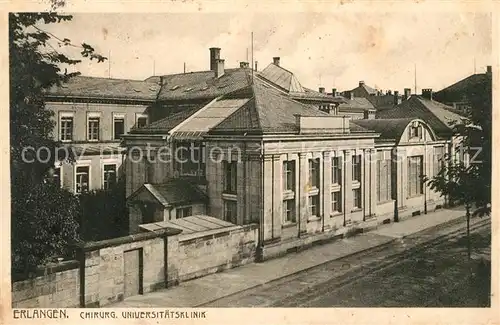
(415, 131)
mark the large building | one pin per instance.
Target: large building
(258, 147)
(91, 115)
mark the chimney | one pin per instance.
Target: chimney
(397, 99)
(361, 83)
(214, 56)
(256, 65)
(334, 92)
(407, 93)
(349, 95)
(427, 93)
(488, 69)
(220, 68)
(243, 64)
(322, 89)
(276, 60)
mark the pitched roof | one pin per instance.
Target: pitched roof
(268, 111)
(459, 90)
(389, 129)
(175, 192)
(202, 84)
(166, 124)
(105, 88)
(282, 78)
(434, 113)
(357, 103)
(368, 89)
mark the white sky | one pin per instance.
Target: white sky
(338, 49)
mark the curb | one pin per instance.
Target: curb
(445, 224)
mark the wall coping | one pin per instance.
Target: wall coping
(49, 268)
(92, 246)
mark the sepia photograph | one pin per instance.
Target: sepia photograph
(249, 159)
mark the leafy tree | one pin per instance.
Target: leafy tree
(469, 183)
(35, 66)
(104, 213)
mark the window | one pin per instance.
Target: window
(314, 173)
(188, 159)
(142, 121)
(438, 159)
(289, 175)
(356, 168)
(289, 211)
(356, 193)
(93, 128)
(183, 212)
(57, 176)
(415, 132)
(336, 202)
(230, 212)
(383, 180)
(109, 176)
(66, 128)
(314, 205)
(82, 179)
(118, 127)
(230, 177)
(336, 170)
(415, 176)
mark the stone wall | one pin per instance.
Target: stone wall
(57, 287)
(195, 255)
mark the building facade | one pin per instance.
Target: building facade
(91, 115)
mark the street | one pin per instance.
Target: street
(428, 269)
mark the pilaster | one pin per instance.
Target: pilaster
(267, 220)
(326, 191)
(302, 193)
(347, 184)
(373, 182)
(277, 196)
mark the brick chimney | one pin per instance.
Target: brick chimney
(214, 56)
(397, 99)
(220, 68)
(361, 83)
(427, 93)
(407, 93)
(256, 65)
(488, 69)
(243, 64)
(334, 92)
(276, 60)
(322, 89)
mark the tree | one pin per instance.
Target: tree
(35, 66)
(469, 183)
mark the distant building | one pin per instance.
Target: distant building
(377, 98)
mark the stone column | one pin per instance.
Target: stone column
(241, 179)
(277, 196)
(327, 188)
(347, 184)
(303, 193)
(267, 222)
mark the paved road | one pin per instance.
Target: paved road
(428, 269)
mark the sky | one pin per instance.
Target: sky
(332, 50)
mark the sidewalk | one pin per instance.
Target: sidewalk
(215, 286)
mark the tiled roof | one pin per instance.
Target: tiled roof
(166, 124)
(175, 192)
(389, 129)
(356, 103)
(269, 111)
(202, 84)
(105, 88)
(368, 89)
(313, 95)
(282, 78)
(459, 90)
(434, 113)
